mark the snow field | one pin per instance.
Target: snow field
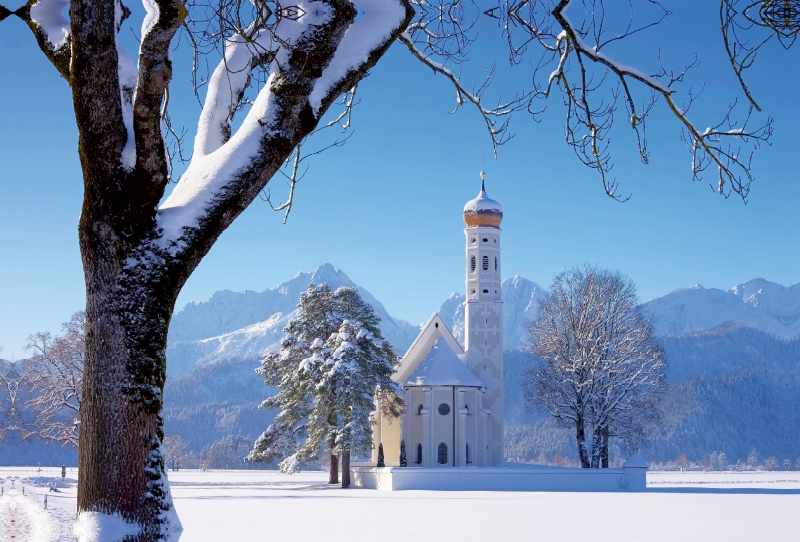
(24, 518)
(265, 505)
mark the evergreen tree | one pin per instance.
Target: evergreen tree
(404, 458)
(381, 461)
(332, 362)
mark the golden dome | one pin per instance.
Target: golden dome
(483, 211)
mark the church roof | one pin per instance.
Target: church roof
(483, 211)
(442, 367)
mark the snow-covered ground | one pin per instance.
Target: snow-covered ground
(264, 505)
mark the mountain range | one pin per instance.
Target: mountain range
(733, 366)
(245, 325)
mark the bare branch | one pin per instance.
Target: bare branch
(491, 117)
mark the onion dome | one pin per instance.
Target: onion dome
(483, 211)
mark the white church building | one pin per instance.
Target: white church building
(453, 413)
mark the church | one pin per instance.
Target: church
(453, 414)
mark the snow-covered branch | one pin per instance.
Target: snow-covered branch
(229, 170)
(50, 26)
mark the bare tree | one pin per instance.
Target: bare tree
(599, 361)
(283, 67)
(176, 449)
(55, 378)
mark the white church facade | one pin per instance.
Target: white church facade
(453, 414)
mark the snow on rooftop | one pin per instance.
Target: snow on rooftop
(442, 367)
(482, 203)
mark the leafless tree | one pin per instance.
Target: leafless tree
(599, 362)
(176, 449)
(282, 67)
(54, 376)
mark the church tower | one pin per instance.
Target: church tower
(483, 314)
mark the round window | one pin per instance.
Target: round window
(444, 409)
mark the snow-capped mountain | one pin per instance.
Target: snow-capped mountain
(758, 303)
(245, 325)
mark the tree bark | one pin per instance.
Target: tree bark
(120, 459)
(345, 469)
(333, 475)
(604, 449)
(580, 435)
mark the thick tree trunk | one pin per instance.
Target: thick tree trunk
(345, 469)
(333, 475)
(121, 460)
(580, 435)
(604, 449)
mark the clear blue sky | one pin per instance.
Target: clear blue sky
(386, 208)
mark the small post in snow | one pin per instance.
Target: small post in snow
(63, 471)
(45, 501)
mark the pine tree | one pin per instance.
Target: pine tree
(403, 457)
(381, 461)
(331, 362)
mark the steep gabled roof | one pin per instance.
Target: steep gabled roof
(442, 367)
(433, 330)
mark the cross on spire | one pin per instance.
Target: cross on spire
(483, 173)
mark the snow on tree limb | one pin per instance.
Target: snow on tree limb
(378, 24)
(49, 16)
(224, 163)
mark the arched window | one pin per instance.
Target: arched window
(419, 454)
(442, 455)
(486, 263)
(472, 264)
(419, 410)
(495, 263)
(468, 458)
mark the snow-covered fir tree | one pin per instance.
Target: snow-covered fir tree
(332, 362)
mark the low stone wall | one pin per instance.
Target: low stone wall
(512, 477)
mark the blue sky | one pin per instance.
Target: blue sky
(386, 208)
